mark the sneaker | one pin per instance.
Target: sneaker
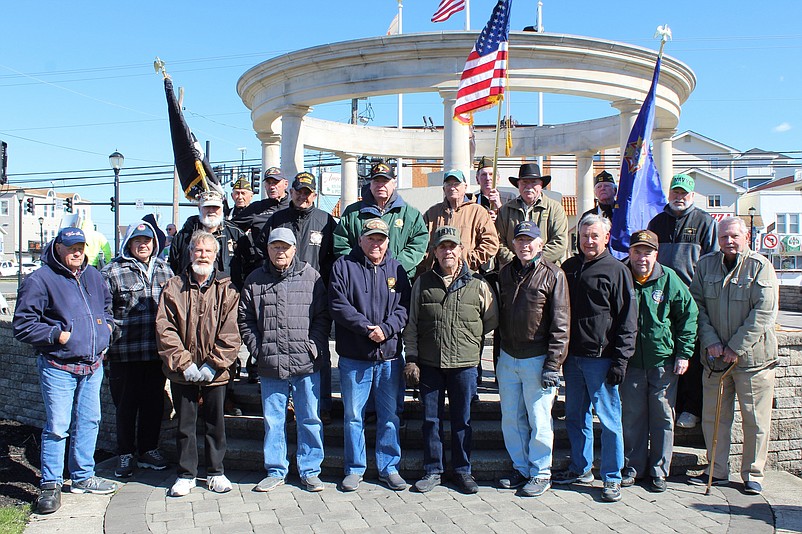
(350, 482)
(125, 467)
(536, 486)
(428, 482)
(269, 484)
(569, 477)
(657, 485)
(313, 484)
(152, 460)
(181, 487)
(753, 488)
(465, 483)
(219, 484)
(94, 485)
(49, 499)
(393, 481)
(611, 491)
(701, 480)
(687, 420)
(513, 480)
(627, 480)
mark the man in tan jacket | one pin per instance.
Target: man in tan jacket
(198, 341)
(479, 237)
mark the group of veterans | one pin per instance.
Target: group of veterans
(412, 297)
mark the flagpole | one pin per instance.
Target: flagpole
(540, 93)
(495, 150)
(400, 161)
(467, 15)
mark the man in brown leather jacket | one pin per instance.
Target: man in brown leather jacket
(535, 321)
(198, 341)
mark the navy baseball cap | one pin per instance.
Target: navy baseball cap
(70, 236)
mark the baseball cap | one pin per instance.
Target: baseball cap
(446, 233)
(375, 226)
(454, 173)
(527, 228)
(304, 180)
(242, 183)
(284, 235)
(381, 170)
(644, 237)
(210, 198)
(70, 236)
(273, 173)
(684, 182)
(142, 230)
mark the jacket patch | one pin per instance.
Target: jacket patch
(658, 296)
(399, 223)
(391, 283)
(315, 238)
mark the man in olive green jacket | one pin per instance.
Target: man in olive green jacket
(737, 292)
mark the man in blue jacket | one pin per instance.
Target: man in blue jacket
(63, 311)
(369, 296)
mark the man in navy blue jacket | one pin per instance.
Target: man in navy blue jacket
(369, 301)
(64, 312)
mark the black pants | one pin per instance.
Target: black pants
(137, 389)
(689, 388)
(185, 400)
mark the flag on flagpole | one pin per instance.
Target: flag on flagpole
(640, 194)
(194, 171)
(446, 9)
(485, 73)
(393, 29)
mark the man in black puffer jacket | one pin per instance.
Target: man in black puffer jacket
(284, 322)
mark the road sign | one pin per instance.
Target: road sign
(770, 241)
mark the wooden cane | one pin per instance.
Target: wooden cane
(716, 423)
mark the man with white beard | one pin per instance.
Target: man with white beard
(198, 351)
(235, 248)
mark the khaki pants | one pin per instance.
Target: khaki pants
(755, 390)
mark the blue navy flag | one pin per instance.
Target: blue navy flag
(640, 194)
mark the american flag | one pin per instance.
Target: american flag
(446, 9)
(485, 74)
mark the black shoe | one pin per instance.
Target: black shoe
(49, 499)
(753, 488)
(627, 480)
(701, 480)
(465, 483)
(657, 485)
(569, 477)
(513, 480)
(428, 482)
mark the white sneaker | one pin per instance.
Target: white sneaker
(181, 487)
(687, 420)
(218, 484)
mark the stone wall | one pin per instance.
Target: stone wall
(791, 298)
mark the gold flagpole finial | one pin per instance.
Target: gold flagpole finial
(158, 66)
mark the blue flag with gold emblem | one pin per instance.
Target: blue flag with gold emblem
(640, 194)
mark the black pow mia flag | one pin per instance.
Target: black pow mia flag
(194, 171)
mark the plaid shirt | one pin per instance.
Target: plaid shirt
(135, 297)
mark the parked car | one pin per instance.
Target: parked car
(30, 266)
(8, 268)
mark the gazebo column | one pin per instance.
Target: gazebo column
(628, 111)
(584, 183)
(349, 180)
(456, 137)
(292, 145)
(271, 152)
(664, 154)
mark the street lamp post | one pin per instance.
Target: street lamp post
(41, 237)
(20, 194)
(752, 212)
(116, 161)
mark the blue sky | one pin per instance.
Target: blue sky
(77, 79)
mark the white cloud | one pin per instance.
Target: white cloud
(782, 127)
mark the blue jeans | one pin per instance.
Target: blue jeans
(461, 386)
(72, 408)
(306, 398)
(357, 379)
(586, 385)
(526, 414)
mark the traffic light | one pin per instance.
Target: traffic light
(68, 209)
(3, 162)
(113, 204)
(29, 205)
(256, 174)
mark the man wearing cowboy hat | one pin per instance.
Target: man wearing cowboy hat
(532, 205)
